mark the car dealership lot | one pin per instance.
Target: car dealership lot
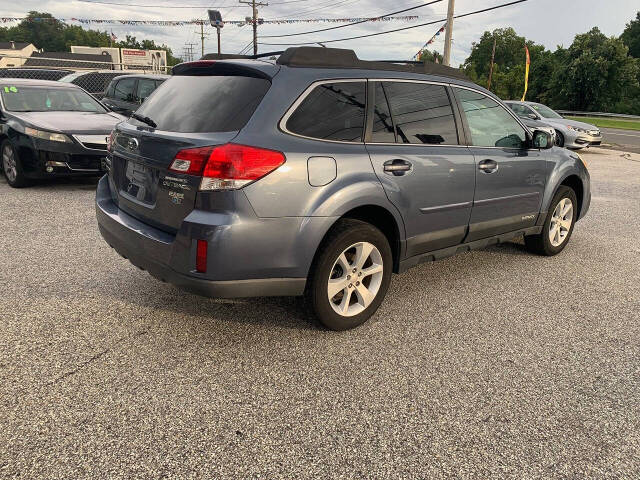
(494, 362)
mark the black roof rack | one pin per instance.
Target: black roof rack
(322, 57)
(344, 58)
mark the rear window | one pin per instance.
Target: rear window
(190, 104)
(332, 111)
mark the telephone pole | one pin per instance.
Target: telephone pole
(493, 56)
(254, 17)
(202, 35)
(447, 38)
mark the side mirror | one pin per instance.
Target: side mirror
(542, 140)
(533, 116)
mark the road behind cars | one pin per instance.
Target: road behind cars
(625, 140)
(493, 363)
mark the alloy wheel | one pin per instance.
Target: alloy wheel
(355, 279)
(561, 221)
(9, 163)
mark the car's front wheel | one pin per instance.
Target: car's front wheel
(559, 139)
(350, 275)
(558, 225)
(11, 165)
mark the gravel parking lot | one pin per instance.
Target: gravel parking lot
(493, 364)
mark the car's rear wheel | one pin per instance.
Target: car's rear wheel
(558, 225)
(350, 275)
(11, 165)
(559, 139)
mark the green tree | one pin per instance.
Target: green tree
(51, 35)
(430, 56)
(631, 36)
(596, 74)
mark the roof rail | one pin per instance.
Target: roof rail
(322, 57)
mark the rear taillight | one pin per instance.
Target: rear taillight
(201, 256)
(191, 161)
(227, 167)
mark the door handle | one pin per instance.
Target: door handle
(396, 167)
(488, 166)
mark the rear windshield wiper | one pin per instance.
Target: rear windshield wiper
(146, 120)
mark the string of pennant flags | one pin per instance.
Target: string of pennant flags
(429, 42)
(177, 23)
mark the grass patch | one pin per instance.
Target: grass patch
(609, 122)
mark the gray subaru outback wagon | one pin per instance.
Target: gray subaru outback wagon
(321, 174)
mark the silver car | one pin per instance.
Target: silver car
(569, 133)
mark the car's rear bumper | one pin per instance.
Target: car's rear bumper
(278, 257)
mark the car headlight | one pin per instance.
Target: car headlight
(576, 129)
(54, 137)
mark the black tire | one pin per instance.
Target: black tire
(344, 234)
(559, 139)
(16, 180)
(541, 243)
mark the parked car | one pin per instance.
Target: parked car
(569, 133)
(95, 82)
(34, 73)
(538, 125)
(126, 93)
(50, 129)
(321, 174)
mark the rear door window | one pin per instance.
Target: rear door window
(199, 104)
(125, 89)
(383, 130)
(422, 113)
(332, 111)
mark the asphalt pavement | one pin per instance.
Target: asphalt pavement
(626, 140)
(491, 364)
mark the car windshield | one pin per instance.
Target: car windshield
(544, 111)
(18, 98)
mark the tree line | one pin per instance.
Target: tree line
(595, 73)
(52, 35)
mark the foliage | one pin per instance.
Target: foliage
(595, 73)
(631, 36)
(55, 36)
(430, 56)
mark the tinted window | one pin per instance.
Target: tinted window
(204, 103)
(124, 89)
(145, 88)
(332, 111)
(490, 124)
(422, 113)
(383, 131)
(18, 98)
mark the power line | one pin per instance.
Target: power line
(355, 23)
(320, 7)
(400, 29)
(104, 2)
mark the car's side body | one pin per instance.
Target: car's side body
(265, 236)
(574, 134)
(127, 92)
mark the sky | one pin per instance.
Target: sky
(548, 22)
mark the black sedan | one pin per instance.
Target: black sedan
(51, 129)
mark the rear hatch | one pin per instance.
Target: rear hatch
(204, 109)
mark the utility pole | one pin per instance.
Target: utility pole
(254, 16)
(188, 51)
(447, 38)
(202, 34)
(493, 56)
